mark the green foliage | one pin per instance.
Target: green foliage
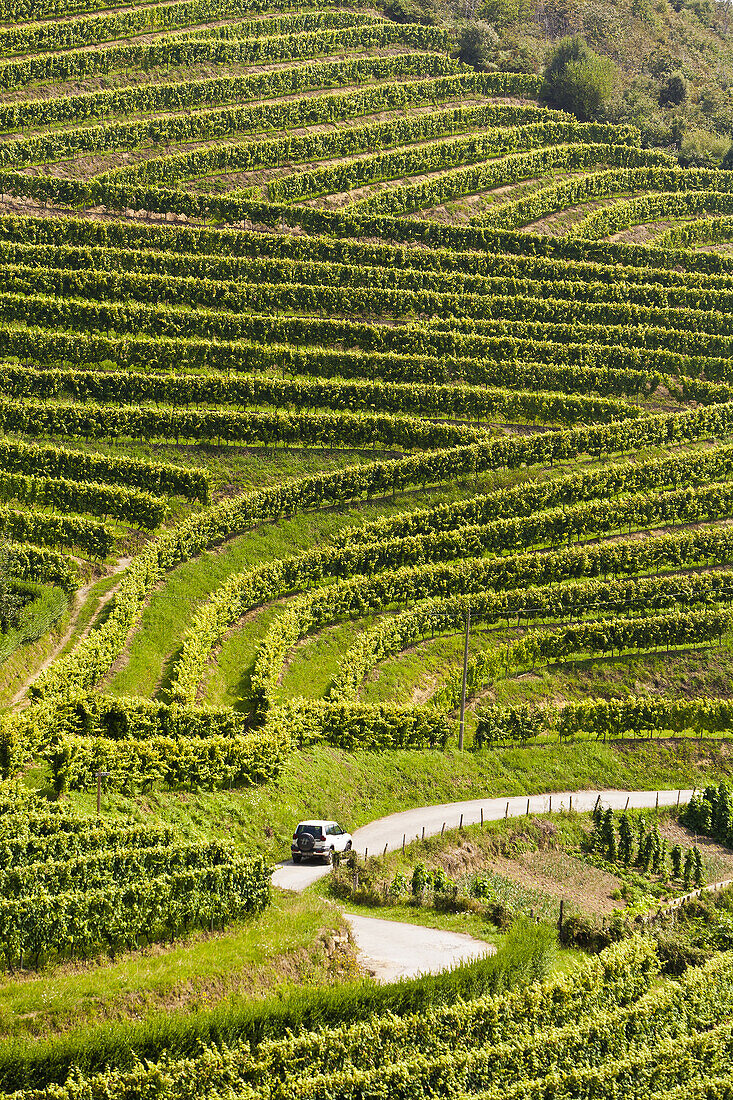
(71, 886)
(674, 91)
(11, 597)
(710, 813)
(700, 149)
(577, 79)
(452, 1008)
(184, 51)
(477, 44)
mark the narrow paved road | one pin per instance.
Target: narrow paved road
(386, 833)
(390, 950)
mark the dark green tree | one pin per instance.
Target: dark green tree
(478, 43)
(646, 852)
(577, 79)
(640, 834)
(608, 836)
(674, 90)
(676, 856)
(698, 872)
(689, 867)
(420, 878)
(625, 840)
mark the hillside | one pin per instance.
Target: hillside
(321, 350)
(314, 338)
(652, 45)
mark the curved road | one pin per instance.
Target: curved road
(391, 949)
(386, 833)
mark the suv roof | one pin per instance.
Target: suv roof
(317, 821)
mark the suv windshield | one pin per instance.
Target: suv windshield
(314, 830)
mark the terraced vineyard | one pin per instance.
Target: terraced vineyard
(314, 338)
(606, 1028)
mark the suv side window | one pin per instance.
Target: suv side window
(333, 830)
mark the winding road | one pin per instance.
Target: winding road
(386, 833)
(391, 949)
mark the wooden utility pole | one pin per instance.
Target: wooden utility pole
(100, 775)
(462, 725)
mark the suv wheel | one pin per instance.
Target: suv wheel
(328, 856)
(348, 846)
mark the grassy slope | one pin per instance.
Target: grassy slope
(286, 943)
(358, 787)
(145, 668)
(284, 946)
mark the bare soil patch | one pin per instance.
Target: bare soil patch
(563, 876)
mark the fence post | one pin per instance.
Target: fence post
(657, 805)
(571, 803)
(460, 824)
(442, 829)
(678, 797)
(527, 807)
(550, 804)
(403, 843)
(482, 815)
(628, 796)
(506, 812)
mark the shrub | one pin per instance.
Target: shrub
(677, 953)
(702, 149)
(577, 79)
(674, 90)
(478, 41)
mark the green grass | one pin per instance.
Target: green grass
(282, 946)
(314, 664)
(152, 650)
(470, 924)
(415, 673)
(693, 672)
(227, 682)
(689, 673)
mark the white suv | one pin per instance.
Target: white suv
(319, 838)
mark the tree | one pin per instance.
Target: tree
(625, 839)
(478, 42)
(646, 852)
(640, 834)
(419, 880)
(689, 866)
(703, 149)
(676, 855)
(577, 79)
(608, 836)
(659, 855)
(698, 872)
(674, 90)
